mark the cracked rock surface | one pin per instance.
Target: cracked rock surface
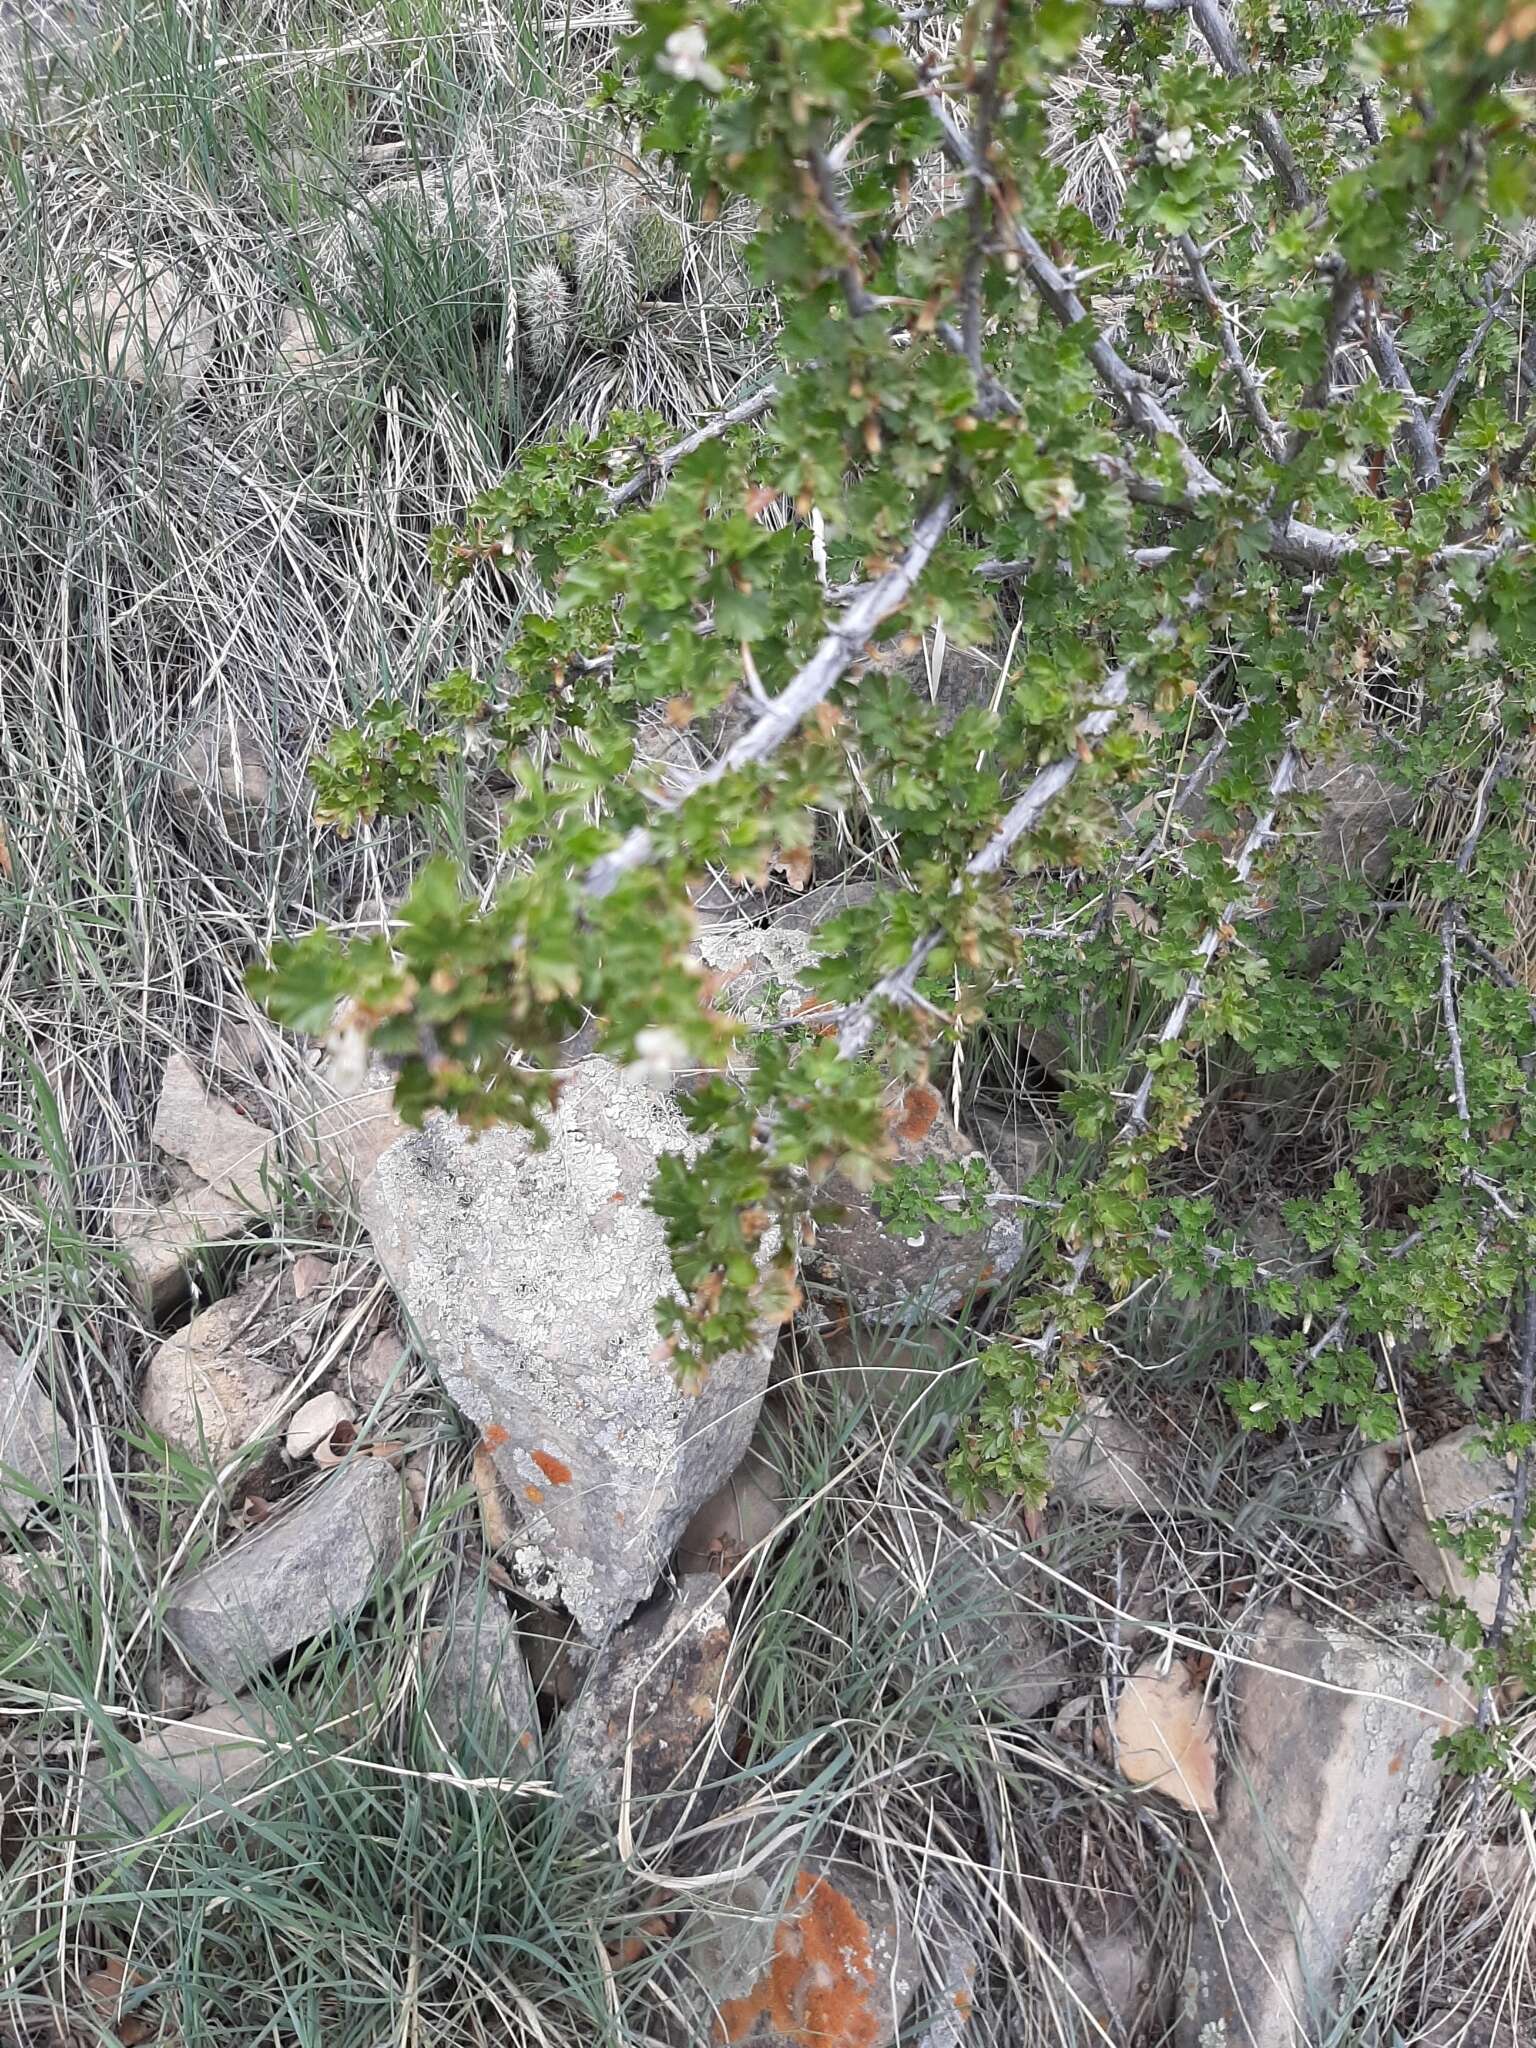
(1331, 1791)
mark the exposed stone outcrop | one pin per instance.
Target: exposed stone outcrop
(1331, 1789)
(532, 1277)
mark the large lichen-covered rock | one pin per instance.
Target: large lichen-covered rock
(819, 1956)
(532, 1278)
(1331, 1789)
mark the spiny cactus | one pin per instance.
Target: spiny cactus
(656, 247)
(544, 318)
(607, 301)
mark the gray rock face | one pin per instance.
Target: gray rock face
(1098, 1460)
(889, 1273)
(36, 1449)
(1333, 1787)
(293, 1578)
(655, 1708)
(1451, 1482)
(218, 1754)
(478, 1695)
(967, 1620)
(532, 1278)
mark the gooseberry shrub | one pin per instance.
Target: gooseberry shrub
(1235, 469)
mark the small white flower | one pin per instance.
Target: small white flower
(1175, 146)
(1353, 470)
(685, 56)
(1276, 22)
(659, 1053)
(1480, 642)
(1063, 500)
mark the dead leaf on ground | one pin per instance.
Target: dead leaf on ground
(1165, 1736)
(795, 864)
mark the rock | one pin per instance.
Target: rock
(143, 329)
(1106, 1972)
(205, 1762)
(900, 1373)
(221, 1146)
(377, 1373)
(222, 762)
(1096, 1460)
(532, 1278)
(316, 1423)
(1332, 1787)
(203, 1389)
(1449, 1482)
(760, 964)
(293, 1578)
(353, 1123)
(962, 1604)
(744, 1513)
(1356, 1512)
(1360, 811)
(896, 1270)
(157, 1243)
(222, 1159)
(478, 1696)
(654, 1709)
(310, 1274)
(36, 1448)
(815, 1957)
(1017, 1146)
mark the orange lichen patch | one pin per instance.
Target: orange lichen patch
(920, 1107)
(819, 1990)
(495, 1437)
(533, 1495)
(555, 1470)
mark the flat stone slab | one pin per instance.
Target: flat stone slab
(293, 1578)
(206, 1761)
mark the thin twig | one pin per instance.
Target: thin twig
(839, 647)
(900, 985)
(1248, 384)
(1280, 782)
